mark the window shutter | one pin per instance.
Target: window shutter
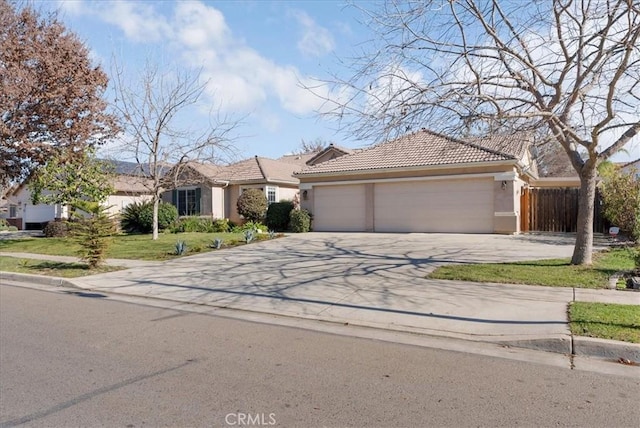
(174, 197)
(198, 195)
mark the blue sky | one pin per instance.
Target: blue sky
(255, 55)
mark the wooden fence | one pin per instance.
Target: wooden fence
(555, 210)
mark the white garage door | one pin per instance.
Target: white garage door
(339, 208)
(464, 206)
(39, 213)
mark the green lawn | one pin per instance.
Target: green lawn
(605, 321)
(550, 272)
(140, 247)
(48, 268)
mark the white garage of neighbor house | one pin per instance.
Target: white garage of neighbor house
(422, 182)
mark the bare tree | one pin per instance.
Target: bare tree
(311, 146)
(572, 67)
(50, 94)
(157, 132)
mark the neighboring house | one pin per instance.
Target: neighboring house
(129, 187)
(212, 190)
(27, 216)
(422, 182)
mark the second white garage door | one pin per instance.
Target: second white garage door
(339, 208)
(464, 206)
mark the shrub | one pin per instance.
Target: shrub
(299, 221)
(138, 217)
(200, 224)
(56, 229)
(12, 229)
(278, 215)
(252, 205)
(621, 197)
(250, 225)
(221, 225)
(93, 233)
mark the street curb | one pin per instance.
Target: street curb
(607, 349)
(583, 346)
(54, 281)
(559, 345)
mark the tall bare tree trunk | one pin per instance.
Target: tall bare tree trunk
(156, 204)
(584, 239)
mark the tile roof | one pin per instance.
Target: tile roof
(516, 144)
(131, 184)
(422, 148)
(330, 147)
(252, 169)
(299, 159)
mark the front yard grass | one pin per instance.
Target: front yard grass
(605, 321)
(550, 272)
(49, 268)
(138, 247)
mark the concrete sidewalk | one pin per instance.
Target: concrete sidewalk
(376, 282)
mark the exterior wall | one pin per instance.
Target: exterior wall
(506, 201)
(287, 193)
(117, 203)
(231, 200)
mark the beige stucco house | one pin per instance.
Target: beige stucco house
(213, 190)
(422, 182)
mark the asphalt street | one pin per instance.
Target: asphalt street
(82, 359)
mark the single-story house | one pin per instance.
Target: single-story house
(213, 190)
(422, 182)
(129, 187)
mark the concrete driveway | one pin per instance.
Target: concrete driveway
(367, 279)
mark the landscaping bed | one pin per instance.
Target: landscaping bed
(550, 272)
(136, 247)
(605, 321)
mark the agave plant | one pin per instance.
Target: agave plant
(249, 235)
(181, 248)
(217, 243)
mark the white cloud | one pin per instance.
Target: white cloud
(199, 26)
(316, 40)
(138, 21)
(239, 78)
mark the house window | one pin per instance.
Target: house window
(13, 211)
(271, 194)
(187, 201)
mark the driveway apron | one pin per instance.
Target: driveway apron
(367, 279)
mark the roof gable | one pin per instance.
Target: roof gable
(330, 152)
